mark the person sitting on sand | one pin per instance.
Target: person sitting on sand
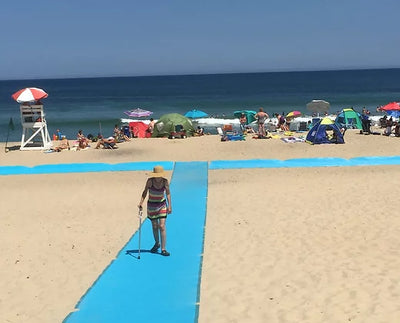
(64, 144)
(199, 131)
(83, 142)
(389, 124)
(249, 129)
(366, 124)
(396, 128)
(382, 121)
(110, 141)
(119, 135)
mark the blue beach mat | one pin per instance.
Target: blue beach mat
(305, 162)
(83, 168)
(155, 288)
(216, 164)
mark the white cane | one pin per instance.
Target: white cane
(140, 228)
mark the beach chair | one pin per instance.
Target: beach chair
(351, 123)
(229, 136)
(107, 145)
(126, 131)
(228, 129)
(179, 132)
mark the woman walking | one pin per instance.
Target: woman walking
(158, 207)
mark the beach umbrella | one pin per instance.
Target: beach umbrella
(196, 114)
(392, 109)
(393, 106)
(29, 94)
(138, 113)
(318, 106)
(250, 115)
(293, 114)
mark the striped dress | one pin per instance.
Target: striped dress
(156, 204)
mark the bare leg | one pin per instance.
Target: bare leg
(163, 232)
(154, 224)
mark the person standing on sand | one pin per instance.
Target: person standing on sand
(243, 122)
(158, 207)
(261, 117)
(150, 128)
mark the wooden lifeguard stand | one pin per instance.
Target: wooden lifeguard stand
(35, 135)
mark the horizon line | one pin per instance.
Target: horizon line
(200, 74)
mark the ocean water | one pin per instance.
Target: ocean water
(97, 104)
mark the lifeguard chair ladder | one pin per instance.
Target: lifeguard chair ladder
(35, 135)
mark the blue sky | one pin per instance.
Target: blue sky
(79, 38)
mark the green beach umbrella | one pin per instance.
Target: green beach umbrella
(250, 115)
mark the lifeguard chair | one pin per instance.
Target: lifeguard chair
(35, 135)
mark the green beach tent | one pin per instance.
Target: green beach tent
(168, 123)
(349, 119)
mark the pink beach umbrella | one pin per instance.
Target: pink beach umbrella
(293, 114)
(29, 94)
(138, 113)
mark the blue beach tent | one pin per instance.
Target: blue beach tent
(325, 131)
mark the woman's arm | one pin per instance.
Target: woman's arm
(168, 193)
(144, 194)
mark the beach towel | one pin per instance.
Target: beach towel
(292, 139)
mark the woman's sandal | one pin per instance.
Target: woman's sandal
(155, 248)
(165, 253)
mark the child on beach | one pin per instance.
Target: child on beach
(158, 207)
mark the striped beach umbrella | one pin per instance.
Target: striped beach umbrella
(29, 94)
(138, 113)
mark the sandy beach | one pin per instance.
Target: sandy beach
(281, 245)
